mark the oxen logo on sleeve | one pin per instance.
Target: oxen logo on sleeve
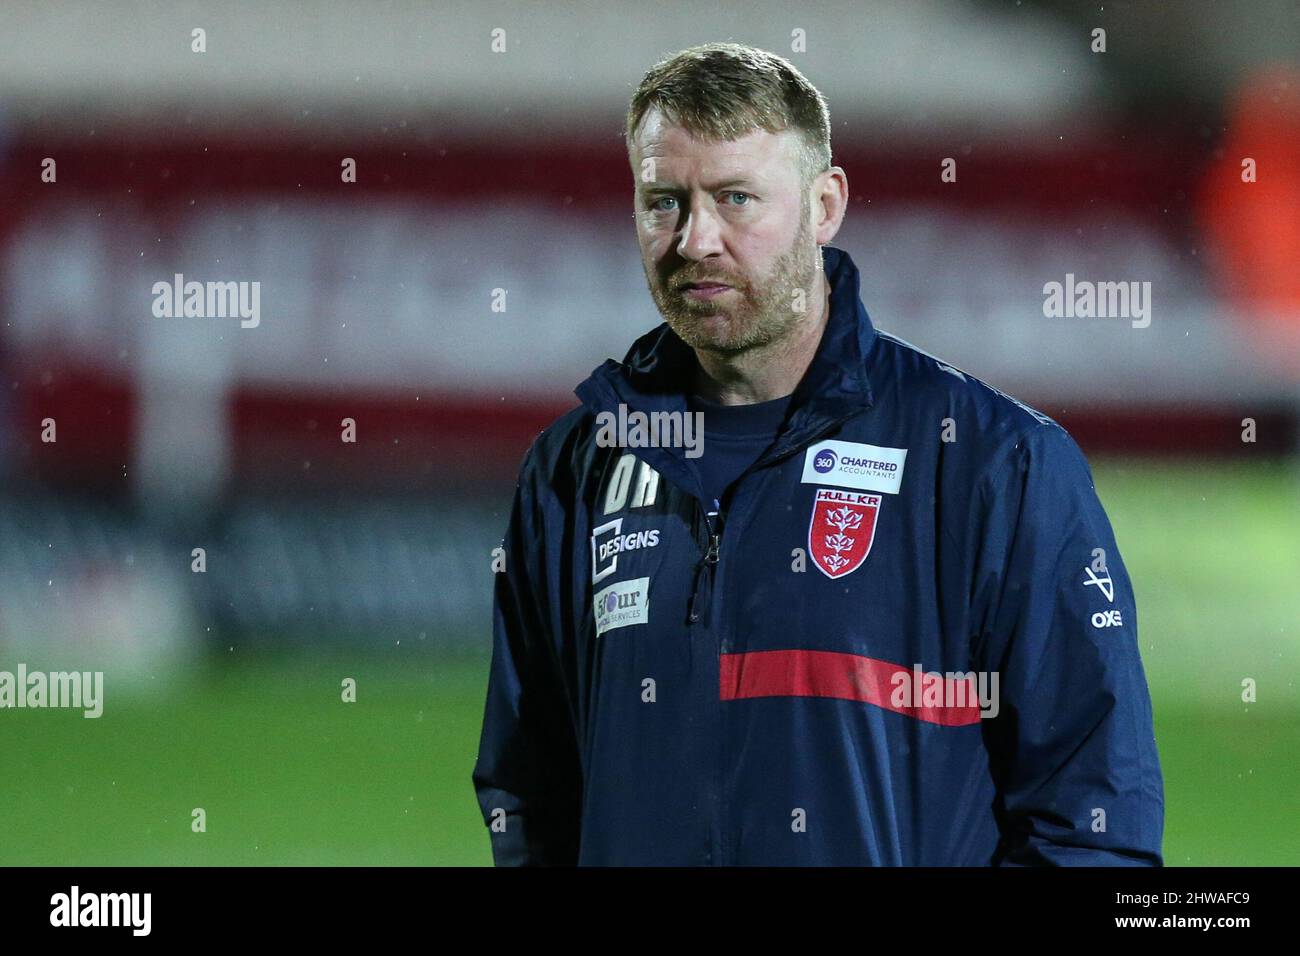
(842, 528)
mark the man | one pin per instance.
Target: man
(881, 620)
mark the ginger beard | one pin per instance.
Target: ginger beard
(755, 313)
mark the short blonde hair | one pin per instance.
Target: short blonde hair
(722, 91)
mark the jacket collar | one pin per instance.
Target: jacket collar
(656, 374)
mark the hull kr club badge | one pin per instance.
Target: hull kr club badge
(842, 528)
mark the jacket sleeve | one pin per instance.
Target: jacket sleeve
(527, 776)
(1072, 748)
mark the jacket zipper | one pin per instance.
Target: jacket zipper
(699, 608)
(713, 521)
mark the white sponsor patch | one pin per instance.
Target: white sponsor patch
(621, 604)
(852, 464)
(608, 542)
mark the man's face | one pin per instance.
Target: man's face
(733, 213)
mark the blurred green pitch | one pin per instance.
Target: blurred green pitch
(288, 774)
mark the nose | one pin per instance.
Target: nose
(701, 235)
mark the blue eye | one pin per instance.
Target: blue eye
(656, 205)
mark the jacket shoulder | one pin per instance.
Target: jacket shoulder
(555, 457)
(929, 385)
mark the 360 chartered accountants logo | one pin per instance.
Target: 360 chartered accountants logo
(855, 465)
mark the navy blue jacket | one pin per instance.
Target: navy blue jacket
(795, 679)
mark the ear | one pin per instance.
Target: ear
(830, 203)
